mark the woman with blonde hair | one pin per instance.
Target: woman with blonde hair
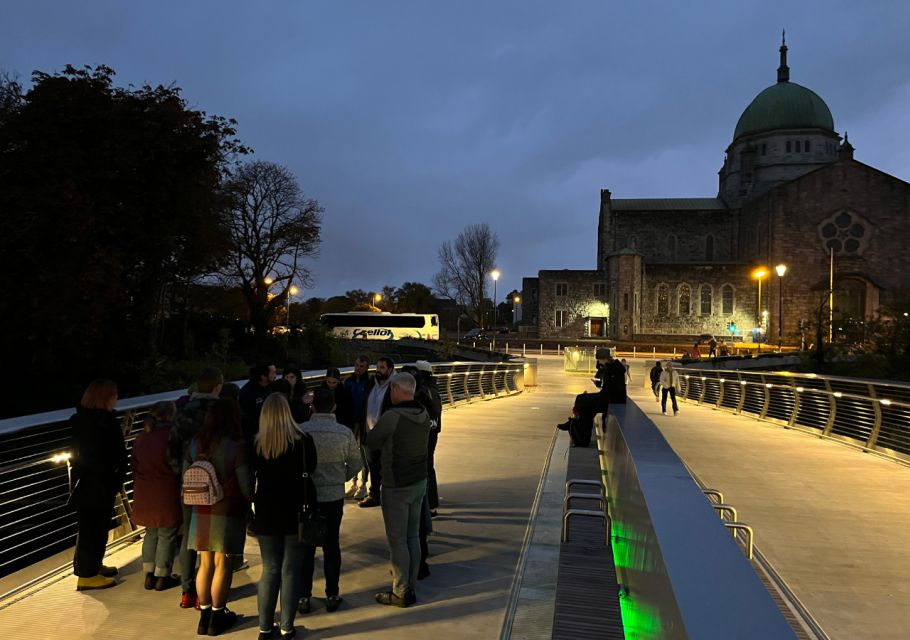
(279, 467)
(99, 467)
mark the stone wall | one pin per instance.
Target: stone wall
(585, 295)
(672, 236)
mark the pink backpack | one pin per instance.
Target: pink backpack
(200, 484)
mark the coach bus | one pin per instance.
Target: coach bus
(368, 325)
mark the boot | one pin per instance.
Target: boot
(108, 571)
(205, 618)
(95, 582)
(222, 620)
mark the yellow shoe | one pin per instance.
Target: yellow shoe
(95, 582)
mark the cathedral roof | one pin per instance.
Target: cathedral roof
(785, 105)
(667, 204)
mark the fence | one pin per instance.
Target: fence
(35, 521)
(869, 414)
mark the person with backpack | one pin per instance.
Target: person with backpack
(187, 424)
(217, 483)
(156, 497)
(278, 463)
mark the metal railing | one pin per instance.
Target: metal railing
(869, 414)
(35, 521)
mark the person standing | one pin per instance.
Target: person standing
(218, 531)
(292, 375)
(156, 497)
(712, 347)
(614, 378)
(187, 423)
(278, 466)
(357, 385)
(400, 437)
(98, 470)
(669, 383)
(588, 405)
(378, 400)
(252, 395)
(655, 380)
(433, 404)
(344, 405)
(338, 460)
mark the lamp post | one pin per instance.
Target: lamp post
(292, 291)
(377, 297)
(515, 302)
(495, 275)
(758, 274)
(781, 270)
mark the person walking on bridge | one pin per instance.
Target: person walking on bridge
(669, 383)
(656, 370)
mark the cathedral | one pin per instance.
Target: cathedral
(790, 195)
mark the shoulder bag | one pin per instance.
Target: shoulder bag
(311, 525)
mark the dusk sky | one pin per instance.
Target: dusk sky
(410, 120)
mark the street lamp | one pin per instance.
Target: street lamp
(758, 274)
(781, 270)
(515, 302)
(495, 275)
(376, 299)
(293, 291)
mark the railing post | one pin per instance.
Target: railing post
(467, 391)
(796, 397)
(523, 348)
(720, 392)
(877, 426)
(449, 388)
(767, 402)
(832, 409)
(541, 348)
(742, 392)
(507, 348)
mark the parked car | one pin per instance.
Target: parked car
(477, 334)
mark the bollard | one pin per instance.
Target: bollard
(654, 351)
(523, 349)
(541, 348)
(557, 349)
(633, 350)
(507, 348)
(674, 352)
(474, 345)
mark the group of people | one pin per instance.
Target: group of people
(256, 443)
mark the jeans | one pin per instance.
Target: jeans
(91, 541)
(282, 559)
(331, 551)
(365, 471)
(663, 402)
(432, 487)
(187, 556)
(158, 550)
(401, 513)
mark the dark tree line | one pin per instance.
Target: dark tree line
(113, 201)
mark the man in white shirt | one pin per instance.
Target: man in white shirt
(377, 402)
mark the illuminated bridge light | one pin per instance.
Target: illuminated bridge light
(721, 380)
(743, 383)
(769, 385)
(885, 402)
(838, 394)
(704, 378)
(799, 389)
(61, 457)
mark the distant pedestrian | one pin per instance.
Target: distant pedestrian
(628, 376)
(218, 531)
(712, 347)
(669, 384)
(344, 404)
(156, 497)
(98, 470)
(614, 378)
(252, 395)
(337, 461)
(400, 436)
(654, 376)
(298, 388)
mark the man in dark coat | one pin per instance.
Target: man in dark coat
(252, 395)
(614, 378)
(655, 379)
(588, 405)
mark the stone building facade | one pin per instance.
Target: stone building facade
(790, 192)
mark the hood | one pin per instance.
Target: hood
(411, 410)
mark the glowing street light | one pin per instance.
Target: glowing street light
(781, 270)
(377, 297)
(293, 291)
(269, 281)
(758, 274)
(495, 275)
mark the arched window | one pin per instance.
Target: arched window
(663, 300)
(706, 300)
(632, 243)
(709, 248)
(671, 247)
(806, 146)
(684, 294)
(726, 298)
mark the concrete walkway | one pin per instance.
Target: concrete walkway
(490, 459)
(833, 521)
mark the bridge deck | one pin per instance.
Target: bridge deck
(833, 521)
(490, 458)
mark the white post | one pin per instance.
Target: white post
(523, 347)
(507, 348)
(557, 349)
(541, 348)
(633, 350)
(654, 351)
(674, 352)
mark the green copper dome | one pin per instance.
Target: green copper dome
(785, 105)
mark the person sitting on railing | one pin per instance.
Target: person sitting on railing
(588, 405)
(156, 497)
(98, 470)
(669, 384)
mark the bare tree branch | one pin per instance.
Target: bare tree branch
(465, 265)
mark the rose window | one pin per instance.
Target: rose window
(845, 232)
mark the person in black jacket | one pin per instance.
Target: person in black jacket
(278, 464)
(655, 380)
(344, 404)
(98, 469)
(252, 395)
(588, 405)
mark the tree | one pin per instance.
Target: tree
(465, 267)
(414, 297)
(110, 196)
(273, 228)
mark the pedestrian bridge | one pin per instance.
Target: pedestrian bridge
(831, 527)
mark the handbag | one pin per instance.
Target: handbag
(312, 526)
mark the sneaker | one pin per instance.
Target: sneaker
(274, 632)
(95, 582)
(303, 606)
(676, 413)
(239, 563)
(664, 412)
(150, 580)
(332, 603)
(189, 600)
(166, 582)
(361, 493)
(564, 426)
(350, 493)
(205, 619)
(107, 571)
(288, 635)
(369, 501)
